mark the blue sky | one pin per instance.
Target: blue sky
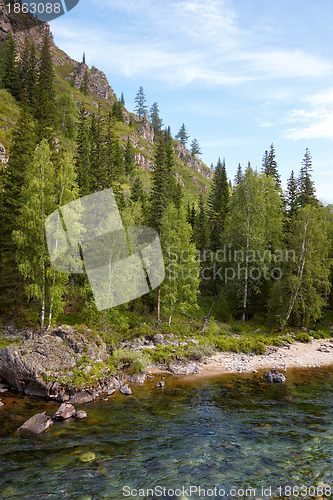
(240, 74)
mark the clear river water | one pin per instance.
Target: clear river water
(225, 437)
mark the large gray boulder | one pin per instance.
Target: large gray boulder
(37, 424)
(33, 366)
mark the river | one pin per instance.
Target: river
(233, 436)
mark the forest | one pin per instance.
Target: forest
(245, 251)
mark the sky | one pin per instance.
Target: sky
(239, 74)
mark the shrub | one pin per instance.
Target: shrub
(303, 337)
(131, 360)
(199, 351)
(260, 347)
(321, 334)
(283, 340)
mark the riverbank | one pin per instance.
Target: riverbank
(318, 353)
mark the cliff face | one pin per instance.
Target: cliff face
(25, 27)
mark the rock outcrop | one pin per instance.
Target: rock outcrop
(3, 155)
(34, 366)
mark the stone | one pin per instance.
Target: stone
(138, 378)
(37, 424)
(160, 384)
(275, 376)
(66, 410)
(3, 387)
(88, 457)
(83, 397)
(80, 415)
(1, 403)
(184, 369)
(127, 391)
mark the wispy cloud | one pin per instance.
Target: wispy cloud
(316, 120)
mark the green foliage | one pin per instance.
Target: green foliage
(140, 103)
(283, 340)
(195, 148)
(302, 337)
(199, 351)
(321, 334)
(182, 135)
(131, 361)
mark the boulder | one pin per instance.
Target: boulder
(28, 367)
(275, 376)
(184, 369)
(80, 415)
(66, 410)
(83, 397)
(127, 391)
(160, 384)
(37, 424)
(138, 378)
(1, 403)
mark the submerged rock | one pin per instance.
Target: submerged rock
(127, 391)
(275, 376)
(83, 397)
(80, 415)
(37, 424)
(160, 384)
(66, 410)
(138, 378)
(88, 457)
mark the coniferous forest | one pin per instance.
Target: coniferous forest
(243, 250)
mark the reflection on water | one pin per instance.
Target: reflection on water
(229, 432)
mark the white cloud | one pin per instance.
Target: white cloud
(317, 122)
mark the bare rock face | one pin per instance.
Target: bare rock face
(3, 155)
(66, 410)
(5, 26)
(37, 424)
(97, 82)
(193, 163)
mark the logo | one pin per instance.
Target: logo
(121, 263)
(45, 10)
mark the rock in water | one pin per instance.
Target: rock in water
(1, 403)
(80, 414)
(274, 376)
(160, 384)
(66, 410)
(126, 390)
(37, 424)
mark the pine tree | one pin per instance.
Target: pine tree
(28, 74)
(97, 172)
(201, 230)
(182, 135)
(155, 119)
(66, 114)
(140, 100)
(45, 109)
(113, 156)
(270, 167)
(159, 194)
(21, 152)
(129, 158)
(291, 196)
(306, 186)
(84, 87)
(117, 111)
(10, 73)
(83, 154)
(195, 148)
(239, 175)
(218, 204)
(122, 99)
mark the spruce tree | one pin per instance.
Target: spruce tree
(83, 153)
(182, 135)
(201, 230)
(195, 148)
(84, 87)
(239, 175)
(122, 99)
(218, 204)
(291, 196)
(155, 119)
(129, 158)
(270, 166)
(28, 74)
(10, 72)
(161, 175)
(306, 185)
(140, 100)
(117, 111)
(45, 108)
